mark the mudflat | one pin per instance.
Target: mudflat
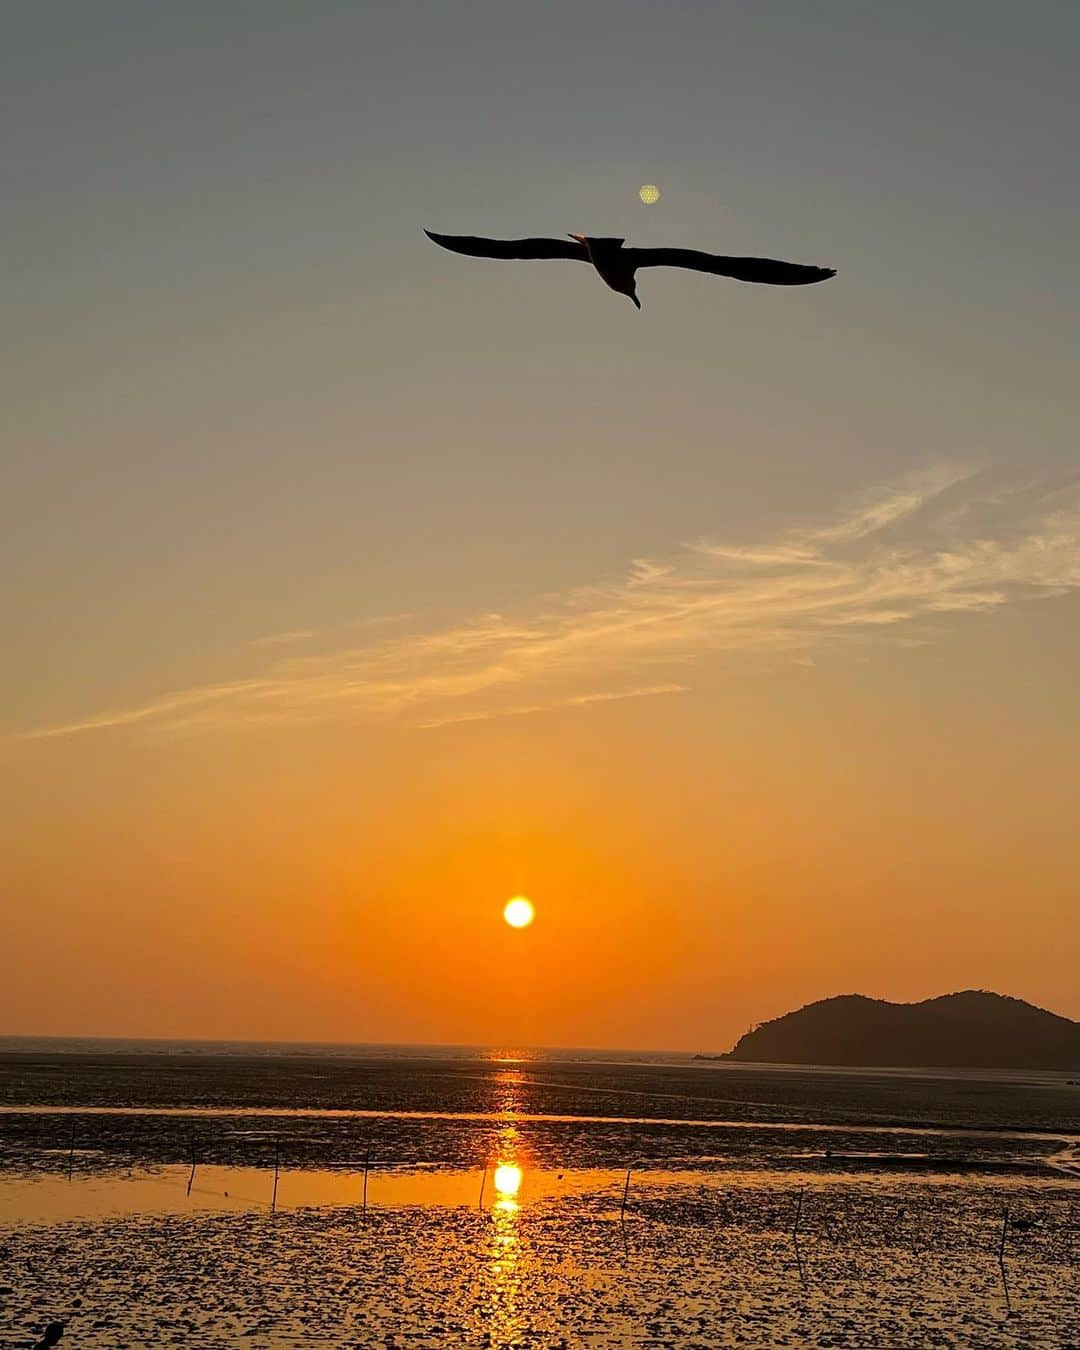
(301, 1195)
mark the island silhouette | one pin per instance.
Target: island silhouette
(971, 1029)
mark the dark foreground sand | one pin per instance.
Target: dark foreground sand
(904, 1262)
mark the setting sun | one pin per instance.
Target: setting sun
(519, 912)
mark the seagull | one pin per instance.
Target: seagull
(617, 265)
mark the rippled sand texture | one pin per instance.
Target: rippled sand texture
(905, 1265)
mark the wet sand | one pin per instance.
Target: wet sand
(460, 1082)
(698, 1263)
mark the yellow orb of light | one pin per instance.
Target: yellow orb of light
(649, 193)
(507, 1179)
(519, 912)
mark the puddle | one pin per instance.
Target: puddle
(173, 1190)
(51, 1199)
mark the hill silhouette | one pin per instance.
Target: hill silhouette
(972, 1029)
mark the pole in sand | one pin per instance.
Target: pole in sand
(795, 1234)
(367, 1165)
(1001, 1257)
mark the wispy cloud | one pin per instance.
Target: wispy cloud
(284, 639)
(297, 635)
(574, 701)
(946, 543)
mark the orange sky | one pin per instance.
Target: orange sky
(351, 587)
(739, 850)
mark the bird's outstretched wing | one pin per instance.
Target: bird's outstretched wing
(510, 248)
(766, 270)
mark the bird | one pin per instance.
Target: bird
(618, 265)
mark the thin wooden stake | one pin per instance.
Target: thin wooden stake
(71, 1151)
(1001, 1257)
(483, 1183)
(192, 1177)
(277, 1162)
(622, 1216)
(795, 1236)
(367, 1165)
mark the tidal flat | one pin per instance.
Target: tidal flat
(297, 1198)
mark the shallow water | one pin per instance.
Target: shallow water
(28, 1199)
(37, 1199)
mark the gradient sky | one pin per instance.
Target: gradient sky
(350, 586)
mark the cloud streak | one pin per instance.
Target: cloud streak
(905, 558)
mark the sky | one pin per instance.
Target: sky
(350, 586)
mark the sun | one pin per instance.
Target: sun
(519, 912)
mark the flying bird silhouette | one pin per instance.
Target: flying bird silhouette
(618, 265)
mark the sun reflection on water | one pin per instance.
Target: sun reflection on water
(507, 1096)
(508, 1173)
(507, 1184)
(506, 1269)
